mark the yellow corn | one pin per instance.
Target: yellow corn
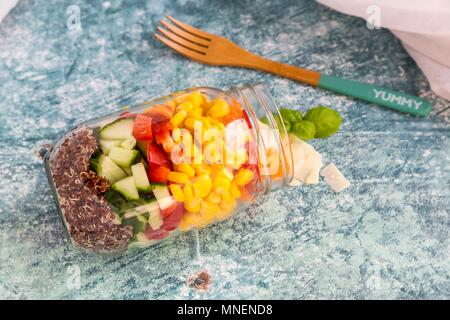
(202, 169)
(223, 172)
(176, 134)
(189, 123)
(213, 197)
(196, 98)
(186, 106)
(221, 184)
(193, 206)
(202, 186)
(219, 108)
(243, 177)
(178, 118)
(206, 123)
(228, 203)
(209, 207)
(196, 113)
(234, 190)
(177, 192)
(186, 168)
(177, 177)
(188, 192)
(189, 220)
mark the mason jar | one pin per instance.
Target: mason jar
(168, 165)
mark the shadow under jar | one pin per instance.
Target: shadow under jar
(172, 164)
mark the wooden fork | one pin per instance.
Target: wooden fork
(207, 48)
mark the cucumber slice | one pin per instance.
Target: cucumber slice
(106, 145)
(139, 223)
(124, 157)
(162, 194)
(155, 219)
(127, 170)
(140, 177)
(115, 199)
(126, 188)
(106, 168)
(118, 130)
(151, 208)
(128, 143)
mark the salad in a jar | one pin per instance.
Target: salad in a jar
(134, 179)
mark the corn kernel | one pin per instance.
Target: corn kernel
(177, 177)
(178, 118)
(196, 113)
(190, 219)
(227, 198)
(188, 192)
(209, 207)
(193, 206)
(196, 98)
(220, 108)
(214, 197)
(176, 134)
(186, 168)
(189, 123)
(184, 225)
(186, 106)
(234, 190)
(224, 172)
(206, 123)
(221, 184)
(243, 177)
(202, 169)
(177, 192)
(202, 186)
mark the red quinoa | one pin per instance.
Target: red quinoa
(89, 218)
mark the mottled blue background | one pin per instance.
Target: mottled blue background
(387, 236)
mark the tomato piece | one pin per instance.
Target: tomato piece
(156, 234)
(157, 173)
(142, 128)
(171, 221)
(157, 156)
(161, 132)
(159, 113)
(167, 211)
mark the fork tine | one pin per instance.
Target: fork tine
(182, 41)
(184, 34)
(190, 29)
(179, 48)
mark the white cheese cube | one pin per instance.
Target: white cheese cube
(334, 178)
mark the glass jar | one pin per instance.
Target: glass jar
(168, 165)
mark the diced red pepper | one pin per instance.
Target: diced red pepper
(157, 173)
(235, 112)
(157, 156)
(171, 221)
(142, 129)
(161, 132)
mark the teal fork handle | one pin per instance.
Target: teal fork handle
(381, 96)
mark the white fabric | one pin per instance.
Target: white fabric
(422, 26)
(5, 7)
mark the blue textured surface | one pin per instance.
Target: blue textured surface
(387, 236)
